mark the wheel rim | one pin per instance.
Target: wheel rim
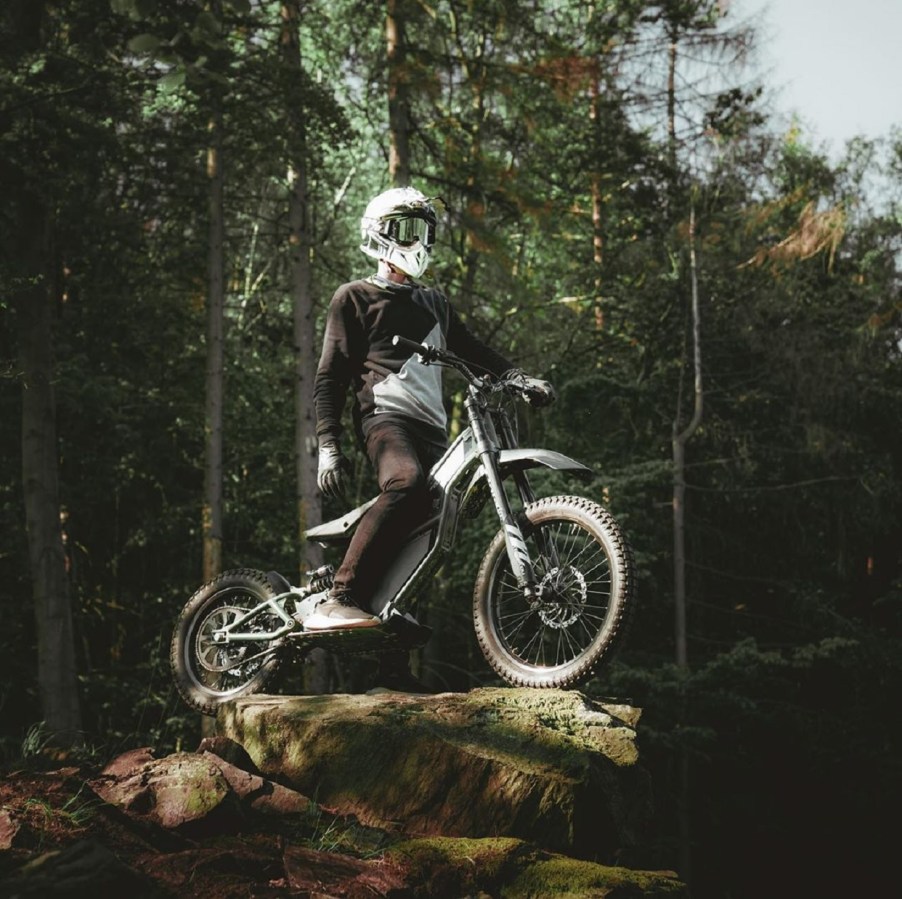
(576, 586)
(223, 669)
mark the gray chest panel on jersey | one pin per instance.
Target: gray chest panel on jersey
(416, 390)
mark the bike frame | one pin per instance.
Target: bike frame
(481, 458)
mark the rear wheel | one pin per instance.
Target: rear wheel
(584, 570)
(207, 672)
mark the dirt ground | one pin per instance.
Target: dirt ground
(58, 838)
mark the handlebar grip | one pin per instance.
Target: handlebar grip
(426, 352)
(406, 344)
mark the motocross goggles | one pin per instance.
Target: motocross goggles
(410, 227)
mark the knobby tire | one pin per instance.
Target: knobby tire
(589, 595)
(226, 675)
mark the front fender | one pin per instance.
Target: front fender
(514, 460)
(520, 459)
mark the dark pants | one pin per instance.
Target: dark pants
(402, 463)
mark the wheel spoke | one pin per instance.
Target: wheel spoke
(222, 667)
(557, 635)
(577, 578)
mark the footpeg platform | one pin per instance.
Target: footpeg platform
(398, 632)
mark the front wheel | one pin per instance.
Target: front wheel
(208, 672)
(584, 572)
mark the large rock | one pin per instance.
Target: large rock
(550, 767)
(211, 824)
(193, 793)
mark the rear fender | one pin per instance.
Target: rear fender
(339, 529)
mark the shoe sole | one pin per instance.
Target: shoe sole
(345, 625)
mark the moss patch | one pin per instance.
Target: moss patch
(459, 866)
(568, 878)
(514, 869)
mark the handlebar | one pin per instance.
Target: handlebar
(513, 382)
(433, 355)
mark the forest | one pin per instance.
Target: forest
(716, 299)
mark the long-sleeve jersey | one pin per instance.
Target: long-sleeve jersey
(358, 352)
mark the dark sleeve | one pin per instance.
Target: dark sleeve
(336, 366)
(469, 347)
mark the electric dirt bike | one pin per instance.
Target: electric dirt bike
(552, 599)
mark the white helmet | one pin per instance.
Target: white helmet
(399, 227)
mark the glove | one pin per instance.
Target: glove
(537, 392)
(332, 471)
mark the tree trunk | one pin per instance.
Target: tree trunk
(671, 100)
(32, 299)
(212, 511)
(398, 93)
(40, 479)
(309, 503)
(597, 201)
(680, 439)
(214, 387)
(319, 674)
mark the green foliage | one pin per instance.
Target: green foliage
(75, 812)
(564, 244)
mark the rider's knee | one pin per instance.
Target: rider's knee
(407, 480)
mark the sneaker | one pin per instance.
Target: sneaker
(339, 613)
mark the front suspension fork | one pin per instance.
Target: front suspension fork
(521, 563)
(517, 553)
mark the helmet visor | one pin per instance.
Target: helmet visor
(406, 230)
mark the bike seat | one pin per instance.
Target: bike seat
(337, 529)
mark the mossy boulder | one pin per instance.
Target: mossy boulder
(550, 767)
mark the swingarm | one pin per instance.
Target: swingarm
(230, 633)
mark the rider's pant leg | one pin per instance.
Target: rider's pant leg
(402, 465)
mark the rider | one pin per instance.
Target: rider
(398, 407)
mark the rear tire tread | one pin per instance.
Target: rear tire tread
(194, 695)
